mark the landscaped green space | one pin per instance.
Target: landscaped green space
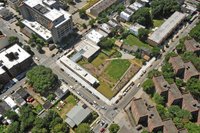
(132, 40)
(99, 59)
(68, 104)
(117, 68)
(157, 22)
(106, 89)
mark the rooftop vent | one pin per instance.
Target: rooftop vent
(12, 56)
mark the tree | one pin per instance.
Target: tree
(148, 87)
(106, 43)
(82, 13)
(143, 34)
(92, 22)
(171, 54)
(158, 99)
(180, 48)
(39, 130)
(84, 26)
(28, 49)
(179, 82)
(13, 39)
(51, 97)
(41, 78)
(114, 128)
(164, 8)
(11, 115)
(193, 85)
(192, 127)
(83, 128)
(162, 111)
(155, 73)
(60, 128)
(13, 127)
(143, 17)
(156, 51)
(195, 32)
(167, 71)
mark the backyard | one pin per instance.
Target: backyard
(65, 106)
(132, 40)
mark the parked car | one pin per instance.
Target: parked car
(102, 130)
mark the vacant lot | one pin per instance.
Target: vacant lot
(117, 68)
(132, 40)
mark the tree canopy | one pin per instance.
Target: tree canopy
(143, 34)
(143, 17)
(193, 85)
(41, 78)
(114, 128)
(148, 86)
(83, 128)
(195, 32)
(164, 8)
(106, 43)
(13, 39)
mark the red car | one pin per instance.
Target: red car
(102, 130)
(30, 99)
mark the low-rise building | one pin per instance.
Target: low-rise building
(135, 28)
(100, 6)
(3, 41)
(191, 105)
(146, 115)
(10, 102)
(94, 36)
(178, 66)
(13, 3)
(78, 70)
(166, 29)
(169, 127)
(192, 46)
(183, 70)
(77, 115)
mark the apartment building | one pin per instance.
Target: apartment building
(49, 17)
(13, 61)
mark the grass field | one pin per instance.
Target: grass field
(99, 59)
(157, 22)
(117, 68)
(132, 40)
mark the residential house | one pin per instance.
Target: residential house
(190, 71)
(169, 127)
(192, 46)
(191, 105)
(146, 115)
(178, 66)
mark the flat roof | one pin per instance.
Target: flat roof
(136, 27)
(89, 48)
(94, 36)
(77, 114)
(38, 29)
(78, 70)
(10, 102)
(51, 14)
(17, 51)
(167, 27)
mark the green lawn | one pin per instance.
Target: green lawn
(157, 22)
(99, 59)
(106, 89)
(117, 68)
(70, 102)
(132, 40)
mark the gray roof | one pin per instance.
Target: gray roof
(77, 115)
(4, 107)
(167, 27)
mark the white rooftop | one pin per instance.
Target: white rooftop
(125, 16)
(167, 27)
(136, 27)
(94, 36)
(89, 48)
(52, 14)
(10, 102)
(22, 55)
(105, 27)
(78, 70)
(38, 29)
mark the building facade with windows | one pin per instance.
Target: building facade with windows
(48, 14)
